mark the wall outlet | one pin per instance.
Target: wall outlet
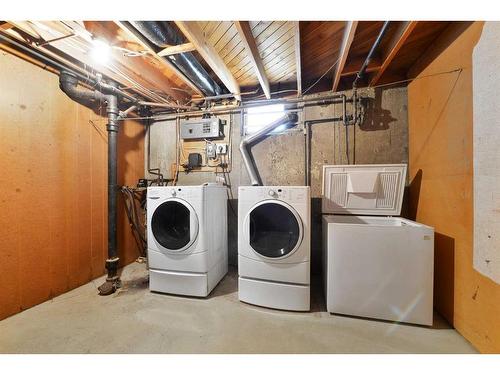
(221, 149)
(211, 150)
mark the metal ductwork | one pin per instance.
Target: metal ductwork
(288, 119)
(162, 34)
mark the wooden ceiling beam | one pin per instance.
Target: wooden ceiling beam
(349, 31)
(195, 35)
(248, 40)
(354, 66)
(129, 31)
(4, 25)
(397, 41)
(174, 50)
(298, 63)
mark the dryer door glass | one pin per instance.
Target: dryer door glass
(170, 225)
(274, 230)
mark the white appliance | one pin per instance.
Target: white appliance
(187, 238)
(375, 264)
(274, 246)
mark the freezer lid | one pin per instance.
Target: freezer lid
(371, 189)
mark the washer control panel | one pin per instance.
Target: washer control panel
(164, 192)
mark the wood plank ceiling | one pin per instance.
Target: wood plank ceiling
(259, 57)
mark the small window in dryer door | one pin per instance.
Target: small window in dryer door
(274, 230)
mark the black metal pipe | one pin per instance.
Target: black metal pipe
(112, 262)
(163, 34)
(68, 83)
(375, 45)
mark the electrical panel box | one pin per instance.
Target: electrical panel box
(205, 128)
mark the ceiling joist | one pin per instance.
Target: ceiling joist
(240, 53)
(164, 62)
(398, 39)
(349, 31)
(245, 33)
(354, 66)
(5, 25)
(174, 50)
(195, 35)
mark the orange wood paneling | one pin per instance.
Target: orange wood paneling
(53, 188)
(440, 111)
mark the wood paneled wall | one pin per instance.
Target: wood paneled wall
(53, 188)
(440, 109)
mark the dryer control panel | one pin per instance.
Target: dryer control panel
(289, 194)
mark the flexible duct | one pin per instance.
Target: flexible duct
(162, 34)
(245, 144)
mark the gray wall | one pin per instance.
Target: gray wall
(486, 82)
(381, 138)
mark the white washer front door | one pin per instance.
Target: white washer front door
(174, 225)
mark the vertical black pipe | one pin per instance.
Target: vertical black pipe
(112, 128)
(69, 84)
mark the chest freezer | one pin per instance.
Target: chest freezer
(375, 264)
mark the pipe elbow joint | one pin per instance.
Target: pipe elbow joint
(243, 144)
(68, 83)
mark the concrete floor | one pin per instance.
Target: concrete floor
(137, 321)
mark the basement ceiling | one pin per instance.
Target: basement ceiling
(254, 58)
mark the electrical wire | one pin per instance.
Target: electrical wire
(132, 198)
(130, 53)
(177, 145)
(101, 133)
(272, 93)
(227, 182)
(320, 78)
(417, 78)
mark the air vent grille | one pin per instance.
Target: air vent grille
(388, 190)
(338, 189)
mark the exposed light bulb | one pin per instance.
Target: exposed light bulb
(100, 51)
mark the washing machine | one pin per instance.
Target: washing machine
(375, 264)
(274, 246)
(187, 238)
